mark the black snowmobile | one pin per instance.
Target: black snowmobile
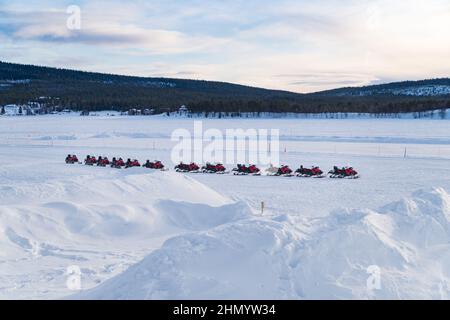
(343, 173)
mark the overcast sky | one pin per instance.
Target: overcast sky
(300, 46)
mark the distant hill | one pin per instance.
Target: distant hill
(429, 88)
(78, 90)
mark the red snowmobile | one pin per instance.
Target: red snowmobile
(71, 159)
(314, 172)
(103, 162)
(284, 171)
(90, 161)
(343, 173)
(244, 170)
(157, 165)
(132, 163)
(214, 168)
(192, 168)
(118, 164)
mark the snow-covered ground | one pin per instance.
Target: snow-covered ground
(149, 235)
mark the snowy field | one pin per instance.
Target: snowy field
(166, 235)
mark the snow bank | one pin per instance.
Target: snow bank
(61, 137)
(105, 113)
(101, 220)
(198, 217)
(438, 114)
(270, 258)
(55, 226)
(97, 186)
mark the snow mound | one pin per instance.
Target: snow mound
(60, 224)
(103, 135)
(108, 187)
(234, 260)
(407, 243)
(60, 137)
(102, 221)
(201, 217)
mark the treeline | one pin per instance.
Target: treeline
(381, 105)
(76, 90)
(382, 88)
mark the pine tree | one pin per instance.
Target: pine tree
(3, 111)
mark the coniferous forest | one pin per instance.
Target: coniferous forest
(78, 91)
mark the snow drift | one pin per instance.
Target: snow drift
(103, 222)
(271, 258)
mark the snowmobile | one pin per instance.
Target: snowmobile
(243, 170)
(117, 164)
(344, 173)
(214, 168)
(191, 168)
(156, 165)
(102, 162)
(283, 171)
(90, 161)
(132, 164)
(72, 159)
(314, 172)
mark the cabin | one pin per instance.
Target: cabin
(183, 110)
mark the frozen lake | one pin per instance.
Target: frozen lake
(372, 146)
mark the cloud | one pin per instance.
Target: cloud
(328, 79)
(295, 45)
(150, 41)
